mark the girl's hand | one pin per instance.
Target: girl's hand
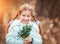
(27, 40)
(26, 43)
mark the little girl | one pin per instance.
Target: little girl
(24, 16)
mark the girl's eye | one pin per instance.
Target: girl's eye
(23, 15)
(28, 16)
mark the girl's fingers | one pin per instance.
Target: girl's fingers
(26, 43)
(28, 39)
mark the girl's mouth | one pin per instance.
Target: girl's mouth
(25, 21)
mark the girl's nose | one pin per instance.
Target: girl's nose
(26, 17)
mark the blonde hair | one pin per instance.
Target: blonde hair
(24, 7)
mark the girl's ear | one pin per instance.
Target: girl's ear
(18, 16)
(31, 19)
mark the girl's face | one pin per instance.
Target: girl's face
(25, 16)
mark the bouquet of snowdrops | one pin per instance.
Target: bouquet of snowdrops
(25, 32)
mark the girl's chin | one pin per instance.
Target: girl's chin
(25, 22)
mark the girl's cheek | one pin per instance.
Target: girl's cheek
(30, 18)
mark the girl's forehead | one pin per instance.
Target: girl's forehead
(26, 12)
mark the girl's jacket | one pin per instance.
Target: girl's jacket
(12, 35)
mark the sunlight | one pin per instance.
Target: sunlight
(2, 5)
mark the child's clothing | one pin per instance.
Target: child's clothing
(37, 22)
(12, 35)
(11, 21)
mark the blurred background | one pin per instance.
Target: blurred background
(47, 12)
